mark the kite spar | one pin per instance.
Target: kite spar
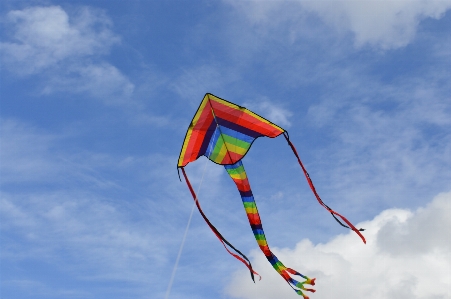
(224, 132)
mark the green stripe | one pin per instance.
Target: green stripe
(237, 170)
(260, 237)
(249, 204)
(216, 150)
(237, 142)
(278, 266)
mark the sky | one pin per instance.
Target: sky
(96, 98)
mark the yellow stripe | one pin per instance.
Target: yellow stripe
(185, 145)
(190, 129)
(248, 112)
(251, 210)
(200, 110)
(238, 176)
(262, 242)
(236, 149)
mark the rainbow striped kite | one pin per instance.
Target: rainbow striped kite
(224, 132)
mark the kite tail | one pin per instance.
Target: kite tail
(241, 257)
(309, 180)
(238, 175)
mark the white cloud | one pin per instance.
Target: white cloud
(91, 230)
(44, 36)
(30, 155)
(103, 81)
(382, 24)
(65, 51)
(274, 113)
(388, 139)
(24, 153)
(59, 208)
(407, 255)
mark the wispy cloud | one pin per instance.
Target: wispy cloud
(90, 195)
(380, 24)
(102, 81)
(406, 256)
(384, 25)
(61, 48)
(193, 83)
(388, 138)
(42, 37)
(24, 153)
(271, 111)
(90, 227)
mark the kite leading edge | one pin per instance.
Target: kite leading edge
(224, 132)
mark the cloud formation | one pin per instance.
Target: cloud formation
(44, 36)
(267, 109)
(46, 41)
(103, 81)
(381, 24)
(406, 256)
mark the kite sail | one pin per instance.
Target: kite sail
(224, 132)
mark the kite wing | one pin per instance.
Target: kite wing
(224, 132)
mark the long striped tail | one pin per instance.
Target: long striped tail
(238, 175)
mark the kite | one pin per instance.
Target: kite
(224, 132)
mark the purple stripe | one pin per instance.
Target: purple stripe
(257, 227)
(238, 128)
(272, 259)
(246, 193)
(211, 129)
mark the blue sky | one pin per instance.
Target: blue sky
(96, 97)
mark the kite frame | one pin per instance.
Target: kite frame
(186, 134)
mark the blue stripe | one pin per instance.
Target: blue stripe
(256, 226)
(237, 135)
(207, 138)
(247, 198)
(258, 232)
(272, 259)
(233, 166)
(212, 143)
(246, 194)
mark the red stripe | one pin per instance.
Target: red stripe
(231, 158)
(238, 116)
(198, 135)
(265, 249)
(254, 218)
(242, 185)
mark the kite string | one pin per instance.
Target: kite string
(168, 291)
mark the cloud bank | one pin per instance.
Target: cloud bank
(44, 36)
(407, 255)
(381, 24)
(47, 41)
